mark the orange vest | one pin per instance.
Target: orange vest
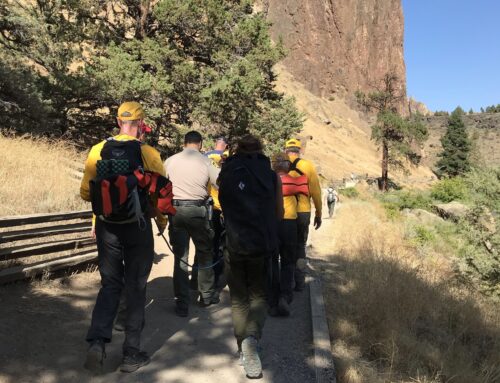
(294, 185)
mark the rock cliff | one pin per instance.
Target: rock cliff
(339, 46)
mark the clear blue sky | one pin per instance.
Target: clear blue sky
(452, 52)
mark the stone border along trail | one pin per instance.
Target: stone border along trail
(44, 324)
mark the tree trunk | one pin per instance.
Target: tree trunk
(385, 166)
(142, 19)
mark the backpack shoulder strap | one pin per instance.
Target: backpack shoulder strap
(293, 167)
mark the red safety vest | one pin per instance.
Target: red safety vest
(294, 185)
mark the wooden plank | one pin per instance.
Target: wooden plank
(43, 218)
(18, 235)
(45, 248)
(323, 360)
(27, 271)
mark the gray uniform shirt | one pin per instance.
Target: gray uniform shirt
(190, 173)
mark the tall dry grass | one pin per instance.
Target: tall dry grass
(35, 178)
(396, 315)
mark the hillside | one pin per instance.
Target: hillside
(340, 142)
(484, 129)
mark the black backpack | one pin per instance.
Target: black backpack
(115, 195)
(247, 193)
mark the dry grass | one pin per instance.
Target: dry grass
(35, 176)
(396, 315)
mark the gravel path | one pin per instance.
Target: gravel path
(43, 325)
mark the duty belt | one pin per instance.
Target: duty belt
(189, 202)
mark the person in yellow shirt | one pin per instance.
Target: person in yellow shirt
(125, 248)
(283, 264)
(300, 166)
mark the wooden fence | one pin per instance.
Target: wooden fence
(41, 243)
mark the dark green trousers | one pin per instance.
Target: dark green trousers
(248, 281)
(190, 222)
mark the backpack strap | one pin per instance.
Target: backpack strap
(293, 167)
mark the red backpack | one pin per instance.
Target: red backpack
(294, 185)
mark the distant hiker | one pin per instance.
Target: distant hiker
(191, 172)
(331, 199)
(117, 180)
(283, 263)
(215, 156)
(300, 167)
(250, 196)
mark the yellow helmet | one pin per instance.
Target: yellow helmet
(293, 143)
(130, 111)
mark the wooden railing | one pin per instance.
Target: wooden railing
(41, 243)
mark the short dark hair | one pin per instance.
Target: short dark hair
(248, 145)
(193, 137)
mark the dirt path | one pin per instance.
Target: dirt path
(43, 325)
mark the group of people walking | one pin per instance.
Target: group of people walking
(247, 215)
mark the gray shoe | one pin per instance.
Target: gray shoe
(251, 358)
(133, 362)
(95, 357)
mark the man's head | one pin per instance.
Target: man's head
(221, 143)
(249, 145)
(130, 118)
(293, 146)
(193, 140)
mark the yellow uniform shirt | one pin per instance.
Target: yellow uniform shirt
(304, 203)
(290, 206)
(150, 157)
(215, 156)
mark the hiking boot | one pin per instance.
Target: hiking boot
(251, 358)
(181, 310)
(273, 311)
(95, 356)
(132, 362)
(283, 307)
(208, 302)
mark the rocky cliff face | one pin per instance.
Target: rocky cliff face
(339, 46)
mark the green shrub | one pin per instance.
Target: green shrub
(400, 200)
(450, 189)
(349, 192)
(423, 235)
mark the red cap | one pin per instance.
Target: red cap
(145, 128)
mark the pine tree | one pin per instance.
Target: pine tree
(204, 64)
(398, 137)
(455, 157)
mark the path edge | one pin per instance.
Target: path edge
(324, 366)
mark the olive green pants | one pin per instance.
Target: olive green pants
(248, 281)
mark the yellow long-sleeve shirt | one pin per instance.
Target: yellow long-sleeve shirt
(304, 203)
(150, 157)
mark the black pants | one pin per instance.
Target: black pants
(219, 267)
(125, 257)
(283, 264)
(303, 221)
(191, 222)
(248, 281)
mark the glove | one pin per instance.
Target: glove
(317, 222)
(161, 222)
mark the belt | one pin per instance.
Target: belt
(189, 202)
